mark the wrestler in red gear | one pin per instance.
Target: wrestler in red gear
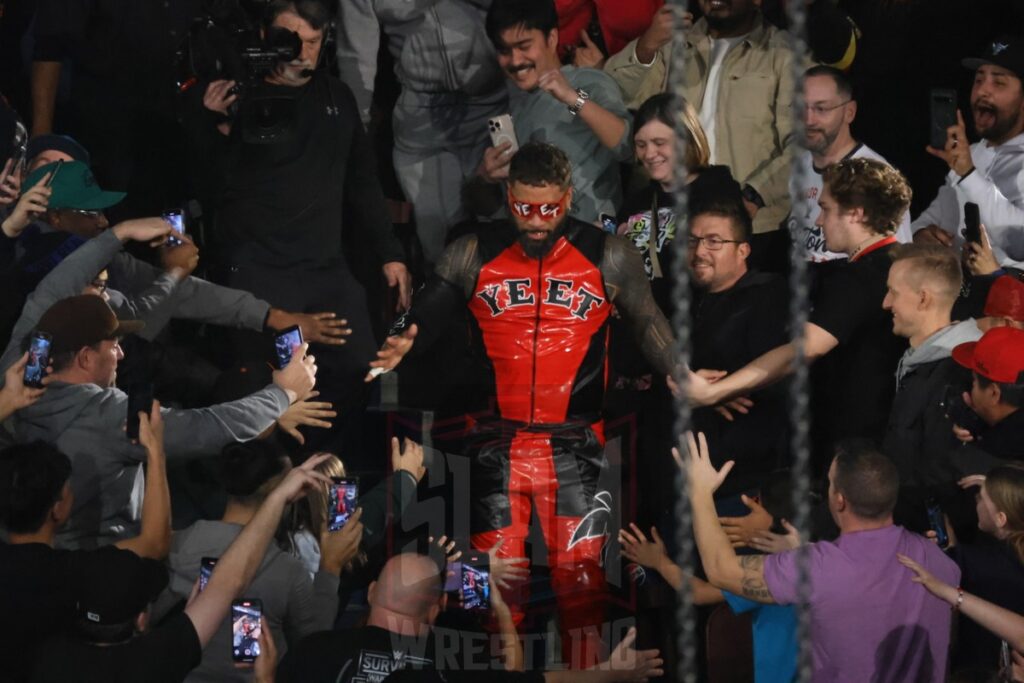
(541, 297)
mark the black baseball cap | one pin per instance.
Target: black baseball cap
(115, 585)
(1004, 51)
(83, 320)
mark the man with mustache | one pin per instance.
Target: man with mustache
(540, 293)
(989, 173)
(829, 109)
(579, 110)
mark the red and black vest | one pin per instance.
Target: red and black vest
(544, 326)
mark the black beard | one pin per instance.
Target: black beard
(539, 250)
(727, 25)
(1001, 127)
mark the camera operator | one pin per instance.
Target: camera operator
(281, 210)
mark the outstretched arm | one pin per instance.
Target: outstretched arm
(433, 305)
(738, 575)
(763, 370)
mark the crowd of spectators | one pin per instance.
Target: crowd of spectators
(257, 255)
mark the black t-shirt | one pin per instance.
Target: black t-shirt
(853, 385)
(993, 572)
(284, 203)
(730, 329)
(164, 654)
(360, 655)
(37, 600)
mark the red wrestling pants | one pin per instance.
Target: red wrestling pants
(556, 472)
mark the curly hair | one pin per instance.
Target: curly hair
(876, 187)
(539, 164)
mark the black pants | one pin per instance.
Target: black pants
(340, 368)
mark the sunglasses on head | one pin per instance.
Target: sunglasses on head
(547, 211)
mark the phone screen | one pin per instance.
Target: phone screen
(476, 582)
(608, 223)
(206, 566)
(245, 630)
(342, 501)
(285, 344)
(453, 577)
(140, 400)
(177, 220)
(38, 359)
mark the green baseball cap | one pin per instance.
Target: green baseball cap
(74, 187)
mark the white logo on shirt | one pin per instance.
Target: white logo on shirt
(999, 47)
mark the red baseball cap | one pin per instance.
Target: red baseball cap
(1006, 299)
(998, 356)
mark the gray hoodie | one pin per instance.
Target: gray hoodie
(938, 346)
(87, 422)
(144, 293)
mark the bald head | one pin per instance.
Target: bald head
(409, 585)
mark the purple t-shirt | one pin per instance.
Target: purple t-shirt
(869, 621)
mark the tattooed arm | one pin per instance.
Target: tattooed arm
(742, 576)
(630, 291)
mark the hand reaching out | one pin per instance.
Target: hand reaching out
(394, 349)
(742, 530)
(636, 547)
(770, 542)
(306, 413)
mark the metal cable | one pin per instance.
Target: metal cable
(685, 616)
(681, 322)
(799, 305)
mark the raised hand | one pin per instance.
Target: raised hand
(394, 349)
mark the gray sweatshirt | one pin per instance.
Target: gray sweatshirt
(142, 293)
(294, 604)
(87, 422)
(938, 346)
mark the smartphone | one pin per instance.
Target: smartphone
(177, 220)
(18, 158)
(342, 501)
(943, 115)
(608, 223)
(245, 630)
(958, 412)
(503, 131)
(937, 523)
(38, 359)
(972, 223)
(476, 582)
(206, 566)
(284, 346)
(140, 400)
(453, 577)
(56, 170)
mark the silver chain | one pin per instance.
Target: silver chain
(681, 322)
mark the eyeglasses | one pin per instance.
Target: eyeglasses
(99, 284)
(821, 109)
(546, 211)
(88, 213)
(712, 242)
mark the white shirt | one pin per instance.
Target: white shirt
(709, 107)
(814, 240)
(997, 186)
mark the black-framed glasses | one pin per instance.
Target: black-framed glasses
(821, 109)
(712, 242)
(99, 284)
(88, 213)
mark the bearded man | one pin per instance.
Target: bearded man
(988, 173)
(540, 291)
(829, 109)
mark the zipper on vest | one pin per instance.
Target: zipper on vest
(536, 336)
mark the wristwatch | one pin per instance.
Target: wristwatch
(581, 98)
(752, 196)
